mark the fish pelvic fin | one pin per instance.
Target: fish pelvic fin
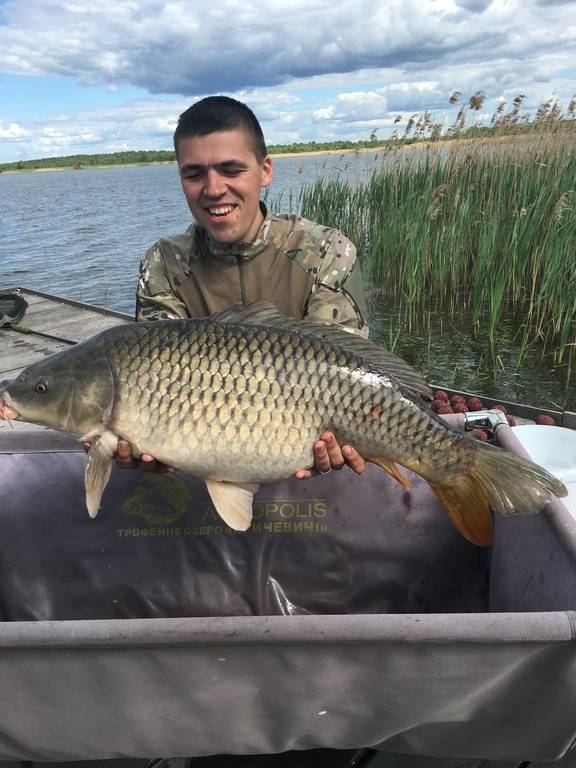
(98, 469)
(233, 502)
(497, 480)
(389, 466)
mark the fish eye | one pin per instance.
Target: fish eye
(41, 387)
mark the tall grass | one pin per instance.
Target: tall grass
(489, 225)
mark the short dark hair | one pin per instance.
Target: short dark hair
(220, 113)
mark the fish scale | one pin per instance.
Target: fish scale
(271, 386)
(240, 398)
(272, 383)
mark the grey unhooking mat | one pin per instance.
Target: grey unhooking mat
(350, 615)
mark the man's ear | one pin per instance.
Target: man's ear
(266, 172)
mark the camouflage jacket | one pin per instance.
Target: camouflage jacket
(305, 269)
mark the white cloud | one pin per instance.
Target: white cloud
(57, 138)
(415, 87)
(134, 125)
(310, 69)
(353, 107)
(182, 46)
(13, 132)
(326, 113)
(116, 146)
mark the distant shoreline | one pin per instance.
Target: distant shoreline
(85, 167)
(414, 145)
(311, 153)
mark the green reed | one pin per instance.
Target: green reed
(488, 225)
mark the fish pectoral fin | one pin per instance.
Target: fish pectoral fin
(233, 502)
(98, 469)
(389, 466)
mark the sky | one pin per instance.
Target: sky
(90, 76)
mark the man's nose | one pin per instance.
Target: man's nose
(215, 185)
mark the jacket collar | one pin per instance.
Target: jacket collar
(233, 252)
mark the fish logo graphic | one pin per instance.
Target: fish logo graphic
(159, 500)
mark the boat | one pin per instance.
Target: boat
(383, 635)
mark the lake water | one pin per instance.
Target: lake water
(81, 234)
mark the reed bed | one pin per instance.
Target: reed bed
(487, 225)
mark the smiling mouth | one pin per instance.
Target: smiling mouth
(220, 211)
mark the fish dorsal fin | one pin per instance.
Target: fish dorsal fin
(98, 468)
(265, 313)
(257, 313)
(233, 502)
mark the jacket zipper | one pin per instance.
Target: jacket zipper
(242, 282)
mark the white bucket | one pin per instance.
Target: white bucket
(554, 448)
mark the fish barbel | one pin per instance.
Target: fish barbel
(238, 399)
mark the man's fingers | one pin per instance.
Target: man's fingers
(338, 455)
(304, 474)
(150, 464)
(125, 459)
(329, 455)
(124, 456)
(356, 462)
(335, 456)
(321, 462)
(124, 450)
(321, 457)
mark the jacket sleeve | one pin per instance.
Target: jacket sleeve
(155, 299)
(337, 294)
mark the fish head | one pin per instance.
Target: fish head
(72, 391)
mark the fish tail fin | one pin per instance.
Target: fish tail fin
(497, 480)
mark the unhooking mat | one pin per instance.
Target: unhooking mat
(352, 614)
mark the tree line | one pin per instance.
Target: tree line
(422, 129)
(134, 157)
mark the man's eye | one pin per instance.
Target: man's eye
(232, 171)
(192, 176)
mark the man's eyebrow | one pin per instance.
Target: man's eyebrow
(198, 167)
(237, 163)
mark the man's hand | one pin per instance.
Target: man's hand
(329, 454)
(125, 459)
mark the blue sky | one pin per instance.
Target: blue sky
(102, 75)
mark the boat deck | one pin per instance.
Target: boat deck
(65, 320)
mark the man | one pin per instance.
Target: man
(238, 252)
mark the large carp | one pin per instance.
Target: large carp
(239, 398)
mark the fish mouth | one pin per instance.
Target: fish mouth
(7, 410)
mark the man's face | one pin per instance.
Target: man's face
(221, 178)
